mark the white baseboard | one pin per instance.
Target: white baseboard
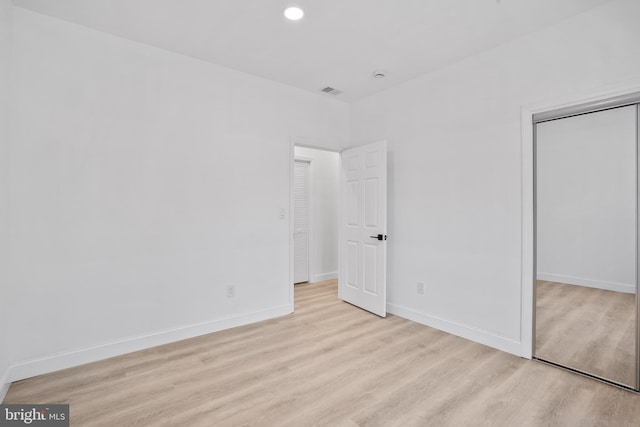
(472, 333)
(4, 383)
(325, 276)
(607, 286)
(30, 368)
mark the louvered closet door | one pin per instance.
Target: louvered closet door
(301, 222)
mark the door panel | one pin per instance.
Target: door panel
(370, 270)
(371, 203)
(363, 217)
(301, 222)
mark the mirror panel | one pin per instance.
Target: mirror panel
(586, 240)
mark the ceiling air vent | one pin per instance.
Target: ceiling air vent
(331, 90)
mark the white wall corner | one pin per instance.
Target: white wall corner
(472, 333)
(43, 365)
(5, 383)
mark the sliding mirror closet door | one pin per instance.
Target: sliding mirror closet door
(586, 243)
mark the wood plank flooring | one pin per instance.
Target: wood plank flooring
(331, 364)
(588, 329)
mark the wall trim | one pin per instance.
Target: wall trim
(43, 365)
(462, 330)
(325, 276)
(598, 284)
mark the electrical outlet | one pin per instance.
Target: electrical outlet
(420, 288)
(231, 291)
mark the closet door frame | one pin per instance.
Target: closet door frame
(530, 117)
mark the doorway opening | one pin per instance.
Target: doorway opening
(343, 199)
(315, 217)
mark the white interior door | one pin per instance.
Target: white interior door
(301, 222)
(363, 227)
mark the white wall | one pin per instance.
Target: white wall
(323, 244)
(586, 200)
(143, 183)
(131, 208)
(5, 48)
(455, 166)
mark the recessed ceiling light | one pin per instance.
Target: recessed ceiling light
(379, 74)
(293, 13)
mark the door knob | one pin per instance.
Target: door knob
(379, 237)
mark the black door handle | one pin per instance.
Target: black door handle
(379, 237)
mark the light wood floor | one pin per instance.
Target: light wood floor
(328, 364)
(588, 329)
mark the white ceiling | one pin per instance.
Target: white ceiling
(338, 43)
